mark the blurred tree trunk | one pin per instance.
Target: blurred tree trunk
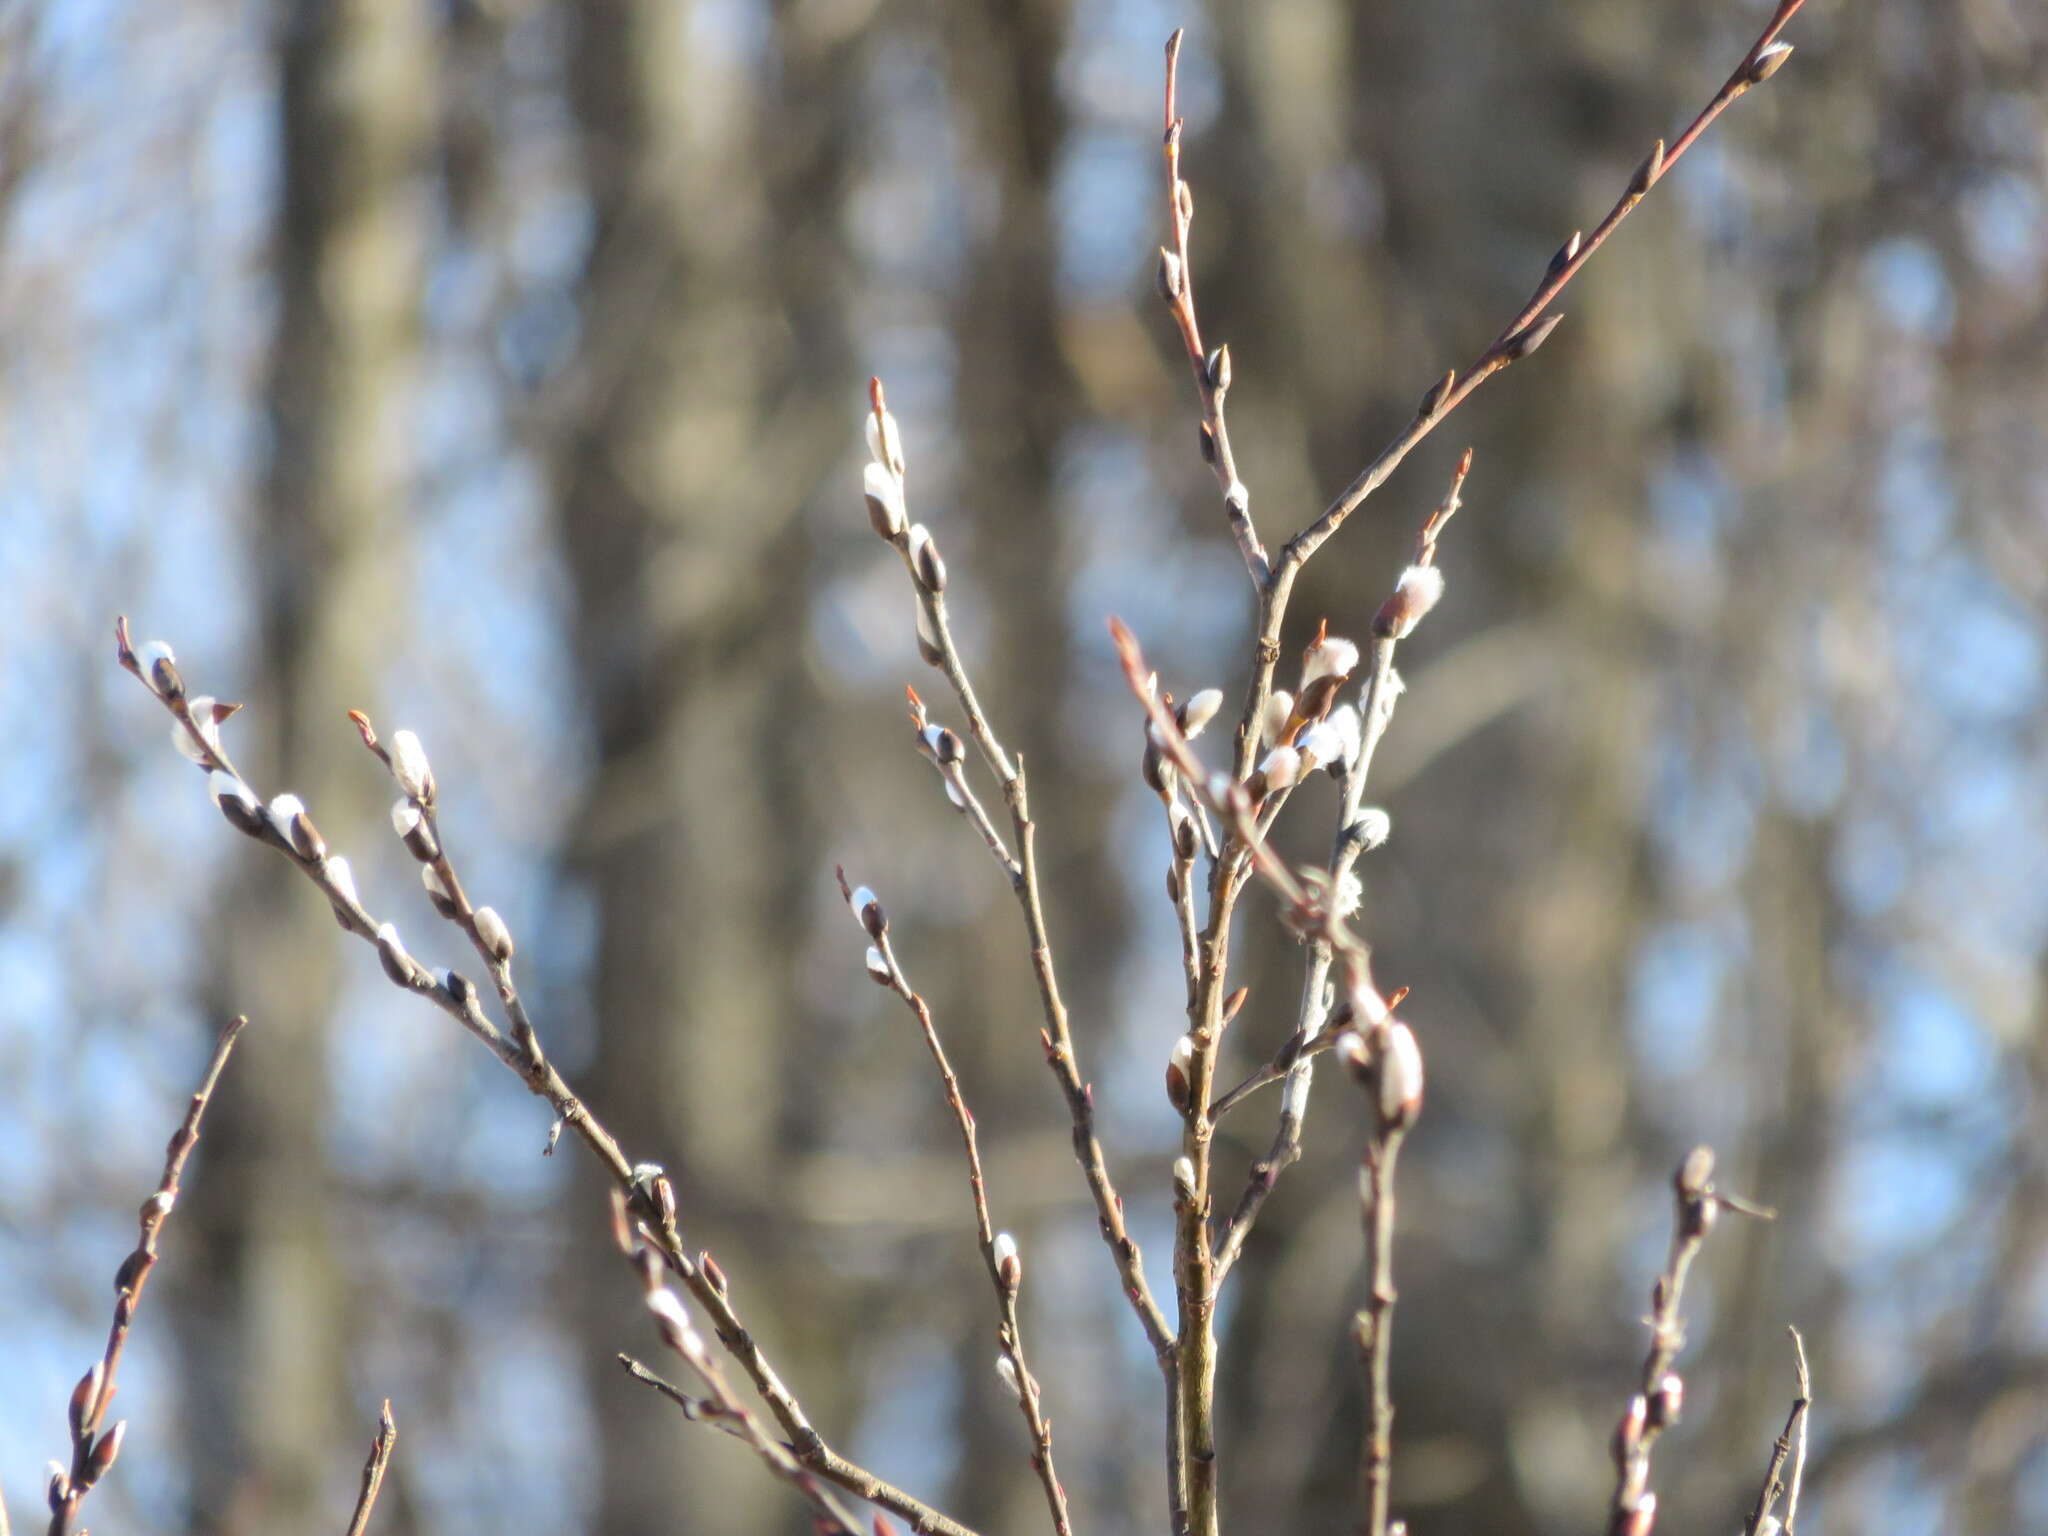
(709, 393)
(274, 1428)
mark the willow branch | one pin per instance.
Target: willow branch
(284, 826)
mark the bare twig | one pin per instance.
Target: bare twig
(373, 1470)
(1790, 1444)
(93, 1453)
(998, 1250)
(285, 826)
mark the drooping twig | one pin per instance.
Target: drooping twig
(373, 1470)
(720, 1406)
(1790, 1444)
(1661, 1395)
(285, 826)
(998, 1249)
(93, 1453)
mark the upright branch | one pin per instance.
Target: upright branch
(373, 1470)
(286, 826)
(1661, 1395)
(998, 1249)
(884, 485)
(1176, 282)
(1387, 1063)
(1790, 1445)
(93, 1453)
(1357, 732)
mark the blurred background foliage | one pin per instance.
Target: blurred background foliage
(496, 366)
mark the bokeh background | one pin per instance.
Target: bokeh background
(496, 366)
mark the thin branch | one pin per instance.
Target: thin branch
(1516, 340)
(373, 1470)
(1415, 593)
(998, 1250)
(1211, 369)
(1661, 1395)
(93, 1453)
(1790, 1445)
(721, 1406)
(1375, 1324)
(887, 511)
(284, 826)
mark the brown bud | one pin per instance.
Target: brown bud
(84, 1397)
(1768, 62)
(1434, 397)
(104, 1450)
(1647, 173)
(1217, 369)
(1208, 443)
(925, 563)
(1563, 256)
(1168, 276)
(1628, 1434)
(1667, 1402)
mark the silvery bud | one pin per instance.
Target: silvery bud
(1179, 1065)
(437, 891)
(1400, 1078)
(1413, 596)
(1184, 1179)
(884, 494)
(1279, 710)
(341, 879)
(159, 669)
(237, 802)
(1199, 710)
(492, 933)
(410, 767)
(878, 966)
(885, 442)
(867, 911)
(1279, 769)
(288, 815)
(1329, 656)
(410, 823)
(1006, 1368)
(925, 563)
(398, 965)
